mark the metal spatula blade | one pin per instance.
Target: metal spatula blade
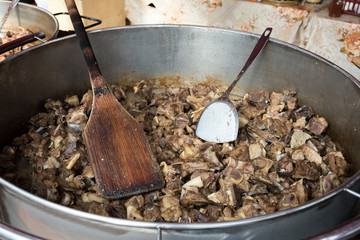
(219, 122)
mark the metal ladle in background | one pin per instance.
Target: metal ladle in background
(219, 122)
(9, 10)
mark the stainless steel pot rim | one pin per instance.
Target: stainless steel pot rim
(139, 224)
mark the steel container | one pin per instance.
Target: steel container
(32, 18)
(178, 55)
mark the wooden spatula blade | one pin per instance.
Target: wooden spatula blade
(119, 152)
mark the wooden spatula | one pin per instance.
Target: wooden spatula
(119, 152)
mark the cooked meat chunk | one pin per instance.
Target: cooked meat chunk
(260, 99)
(287, 200)
(170, 208)
(197, 216)
(299, 138)
(311, 155)
(307, 170)
(281, 158)
(337, 163)
(304, 111)
(285, 166)
(152, 213)
(317, 125)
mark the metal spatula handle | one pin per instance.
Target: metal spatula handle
(257, 49)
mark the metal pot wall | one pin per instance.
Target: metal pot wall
(189, 54)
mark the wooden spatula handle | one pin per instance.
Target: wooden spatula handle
(94, 70)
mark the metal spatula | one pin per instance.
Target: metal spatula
(119, 152)
(219, 122)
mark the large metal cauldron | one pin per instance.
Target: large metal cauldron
(195, 54)
(31, 17)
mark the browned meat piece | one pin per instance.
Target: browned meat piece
(152, 213)
(287, 200)
(190, 193)
(267, 203)
(133, 206)
(198, 102)
(214, 212)
(67, 199)
(218, 197)
(231, 176)
(258, 188)
(152, 197)
(324, 185)
(262, 164)
(304, 111)
(197, 216)
(256, 150)
(259, 99)
(337, 163)
(311, 155)
(330, 146)
(317, 145)
(116, 209)
(241, 153)
(328, 182)
(307, 170)
(135, 201)
(42, 120)
(193, 198)
(297, 155)
(275, 150)
(278, 127)
(170, 208)
(173, 187)
(192, 165)
(247, 211)
(251, 112)
(276, 98)
(300, 124)
(181, 120)
(210, 157)
(290, 99)
(298, 138)
(317, 125)
(285, 166)
(209, 180)
(291, 103)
